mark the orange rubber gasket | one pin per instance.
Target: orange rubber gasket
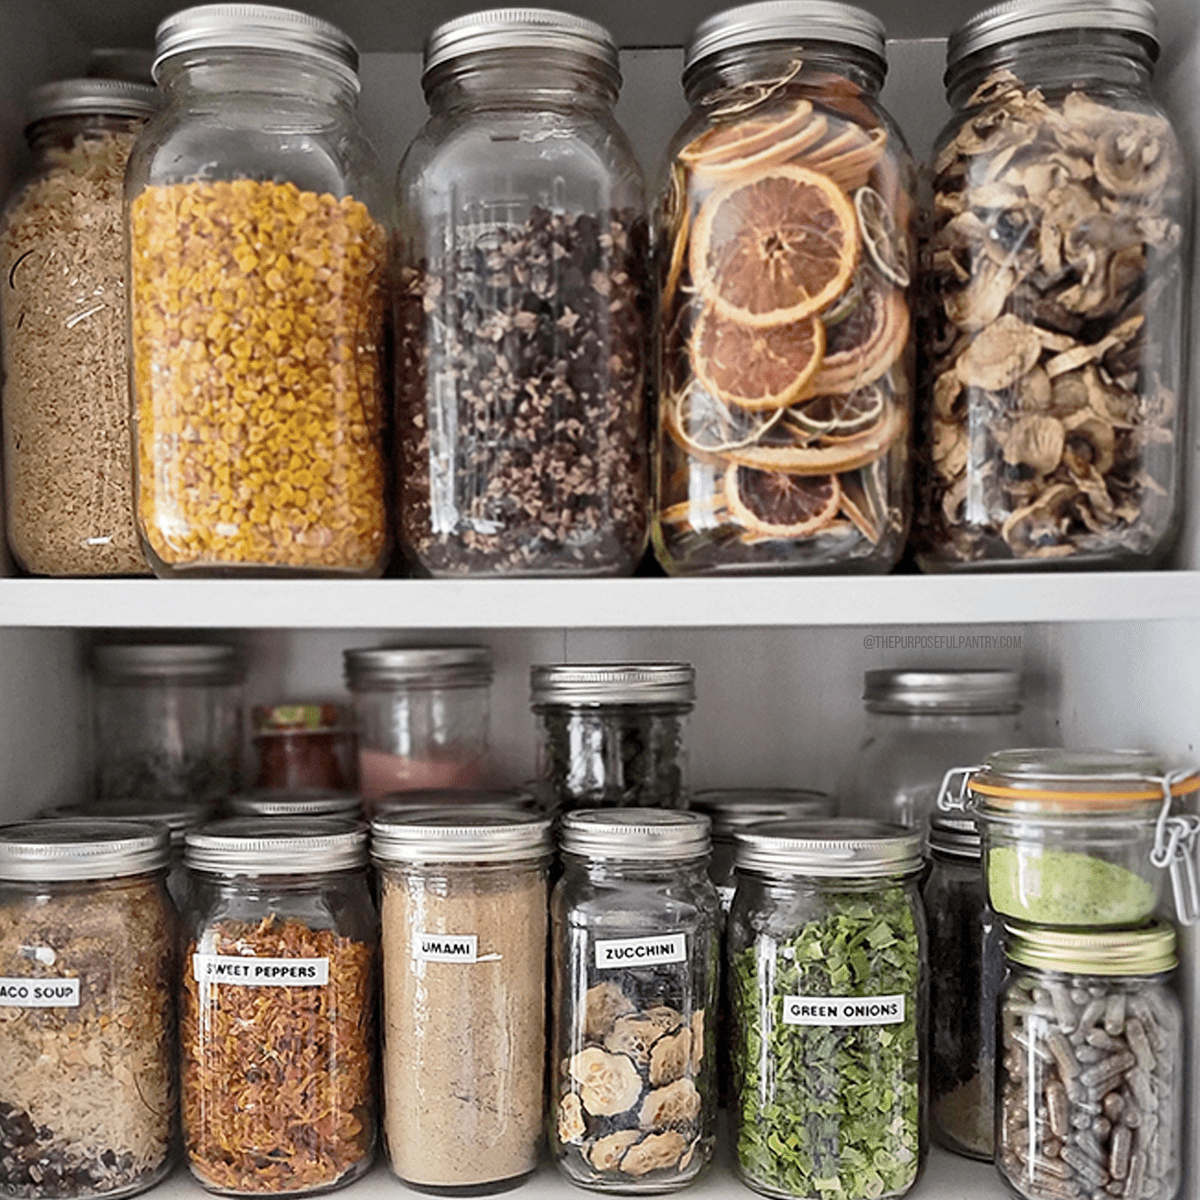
(1183, 787)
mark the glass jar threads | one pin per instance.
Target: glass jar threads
(67, 464)
(277, 1015)
(1090, 1087)
(612, 734)
(463, 900)
(786, 242)
(1061, 205)
(257, 299)
(523, 306)
(87, 977)
(304, 746)
(634, 933)
(827, 976)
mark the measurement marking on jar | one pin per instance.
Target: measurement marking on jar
(260, 972)
(643, 951)
(39, 993)
(843, 1010)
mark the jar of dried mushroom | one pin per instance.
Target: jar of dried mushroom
(785, 237)
(87, 1021)
(1090, 1083)
(1052, 434)
(523, 306)
(304, 746)
(463, 898)
(635, 923)
(67, 466)
(277, 1015)
(258, 302)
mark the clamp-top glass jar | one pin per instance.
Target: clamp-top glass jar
(785, 242)
(258, 301)
(523, 306)
(1053, 430)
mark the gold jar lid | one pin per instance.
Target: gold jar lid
(1146, 951)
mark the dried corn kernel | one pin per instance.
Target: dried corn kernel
(257, 339)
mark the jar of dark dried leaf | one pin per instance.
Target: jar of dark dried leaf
(523, 307)
(1052, 429)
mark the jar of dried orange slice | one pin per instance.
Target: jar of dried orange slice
(785, 268)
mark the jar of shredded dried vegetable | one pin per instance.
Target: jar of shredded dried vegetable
(258, 302)
(304, 746)
(785, 267)
(1052, 431)
(277, 1016)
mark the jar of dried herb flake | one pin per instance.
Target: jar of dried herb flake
(258, 302)
(523, 306)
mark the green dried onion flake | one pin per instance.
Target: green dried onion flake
(824, 1111)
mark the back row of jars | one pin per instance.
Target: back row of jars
(785, 379)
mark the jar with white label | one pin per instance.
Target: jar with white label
(826, 967)
(277, 1013)
(634, 924)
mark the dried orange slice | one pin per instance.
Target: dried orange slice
(774, 249)
(885, 244)
(862, 347)
(724, 144)
(834, 416)
(676, 222)
(849, 156)
(781, 150)
(708, 429)
(771, 504)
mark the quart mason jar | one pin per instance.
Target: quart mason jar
(258, 299)
(1091, 1086)
(1052, 432)
(67, 466)
(634, 921)
(827, 967)
(785, 252)
(523, 306)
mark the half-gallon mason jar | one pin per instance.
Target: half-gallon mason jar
(523, 306)
(634, 918)
(1052, 434)
(785, 239)
(258, 302)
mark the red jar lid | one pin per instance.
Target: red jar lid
(298, 718)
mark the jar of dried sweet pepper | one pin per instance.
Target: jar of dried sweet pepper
(785, 265)
(258, 302)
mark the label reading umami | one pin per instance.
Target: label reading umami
(445, 947)
(260, 972)
(843, 1010)
(40, 993)
(642, 951)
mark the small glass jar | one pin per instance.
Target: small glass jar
(458, 800)
(67, 459)
(523, 306)
(277, 1013)
(279, 802)
(304, 746)
(634, 922)
(1052, 431)
(87, 1020)
(463, 899)
(613, 734)
(785, 237)
(421, 716)
(1090, 1087)
(257, 290)
(167, 722)
(827, 963)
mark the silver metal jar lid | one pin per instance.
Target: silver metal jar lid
(177, 815)
(847, 848)
(276, 846)
(167, 663)
(417, 666)
(613, 683)
(434, 835)
(1025, 18)
(955, 836)
(73, 848)
(91, 98)
(731, 809)
(1146, 951)
(635, 834)
(787, 21)
(942, 691)
(281, 802)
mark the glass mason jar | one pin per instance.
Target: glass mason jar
(302, 746)
(87, 1016)
(826, 958)
(612, 734)
(309, 802)
(523, 307)
(167, 722)
(458, 800)
(918, 725)
(67, 465)
(257, 286)
(463, 900)
(786, 371)
(421, 716)
(277, 1013)
(634, 922)
(1091, 1093)
(1052, 430)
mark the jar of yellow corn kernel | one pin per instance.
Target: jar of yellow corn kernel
(258, 297)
